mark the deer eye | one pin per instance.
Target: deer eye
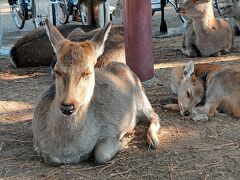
(188, 94)
(86, 73)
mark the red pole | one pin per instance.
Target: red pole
(138, 37)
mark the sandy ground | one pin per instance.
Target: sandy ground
(188, 149)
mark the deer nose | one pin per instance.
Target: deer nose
(67, 109)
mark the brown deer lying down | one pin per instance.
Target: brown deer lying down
(114, 46)
(88, 110)
(34, 49)
(216, 86)
(205, 35)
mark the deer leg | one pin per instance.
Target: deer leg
(212, 109)
(145, 107)
(172, 107)
(203, 112)
(108, 147)
(188, 44)
(154, 127)
(190, 51)
(50, 160)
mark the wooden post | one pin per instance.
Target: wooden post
(138, 37)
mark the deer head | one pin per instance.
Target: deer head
(191, 90)
(194, 8)
(74, 70)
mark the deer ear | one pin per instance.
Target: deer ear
(99, 39)
(188, 71)
(54, 35)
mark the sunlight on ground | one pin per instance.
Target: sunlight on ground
(12, 111)
(205, 60)
(11, 77)
(170, 134)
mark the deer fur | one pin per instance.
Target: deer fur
(88, 110)
(118, 12)
(232, 10)
(34, 49)
(201, 72)
(215, 86)
(114, 46)
(204, 35)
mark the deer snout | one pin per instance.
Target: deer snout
(67, 109)
(183, 110)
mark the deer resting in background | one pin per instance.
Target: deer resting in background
(215, 86)
(34, 49)
(205, 35)
(88, 111)
(232, 10)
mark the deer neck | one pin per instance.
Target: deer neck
(203, 25)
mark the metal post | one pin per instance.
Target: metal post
(138, 37)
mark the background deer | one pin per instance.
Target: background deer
(88, 110)
(190, 91)
(217, 89)
(205, 35)
(34, 49)
(232, 10)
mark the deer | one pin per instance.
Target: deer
(34, 49)
(204, 35)
(206, 89)
(232, 10)
(181, 87)
(87, 111)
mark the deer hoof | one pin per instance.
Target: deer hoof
(152, 136)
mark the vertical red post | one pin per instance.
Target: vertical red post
(138, 37)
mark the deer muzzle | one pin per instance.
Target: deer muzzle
(67, 109)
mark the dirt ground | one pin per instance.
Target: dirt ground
(188, 149)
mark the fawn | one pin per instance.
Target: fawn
(205, 35)
(213, 85)
(88, 110)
